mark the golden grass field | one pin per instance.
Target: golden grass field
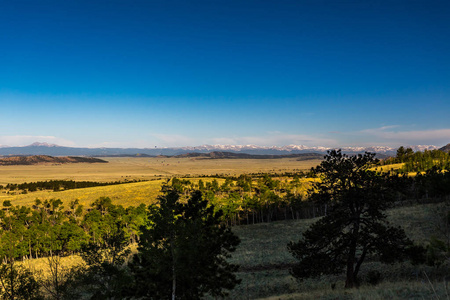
(387, 168)
(121, 168)
(124, 194)
(131, 168)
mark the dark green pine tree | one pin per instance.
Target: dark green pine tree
(183, 250)
(18, 283)
(355, 224)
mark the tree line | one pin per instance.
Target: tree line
(249, 200)
(57, 185)
(419, 161)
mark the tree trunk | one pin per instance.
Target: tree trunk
(174, 283)
(360, 261)
(174, 275)
(350, 281)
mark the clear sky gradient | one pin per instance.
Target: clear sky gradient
(186, 73)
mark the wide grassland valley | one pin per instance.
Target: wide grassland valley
(243, 228)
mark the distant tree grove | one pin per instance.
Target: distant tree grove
(57, 185)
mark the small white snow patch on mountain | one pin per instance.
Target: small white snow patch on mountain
(422, 147)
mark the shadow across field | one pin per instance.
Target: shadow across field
(265, 264)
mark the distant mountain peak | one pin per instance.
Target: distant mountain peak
(44, 144)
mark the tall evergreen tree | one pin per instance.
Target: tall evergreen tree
(355, 225)
(183, 251)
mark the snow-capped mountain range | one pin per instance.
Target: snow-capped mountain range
(292, 148)
(55, 150)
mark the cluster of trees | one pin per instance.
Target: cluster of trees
(57, 185)
(248, 200)
(422, 161)
(419, 161)
(433, 183)
(288, 174)
(49, 228)
(183, 247)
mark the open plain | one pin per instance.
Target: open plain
(140, 168)
(152, 172)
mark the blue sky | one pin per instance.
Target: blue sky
(178, 73)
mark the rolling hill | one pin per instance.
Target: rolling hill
(446, 148)
(40, 159)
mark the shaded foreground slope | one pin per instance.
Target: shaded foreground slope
(265, 263)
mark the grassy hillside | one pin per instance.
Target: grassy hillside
(126, 194)
(265, 261)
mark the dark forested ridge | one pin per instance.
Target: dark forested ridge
(39, 159)
(446, 148)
